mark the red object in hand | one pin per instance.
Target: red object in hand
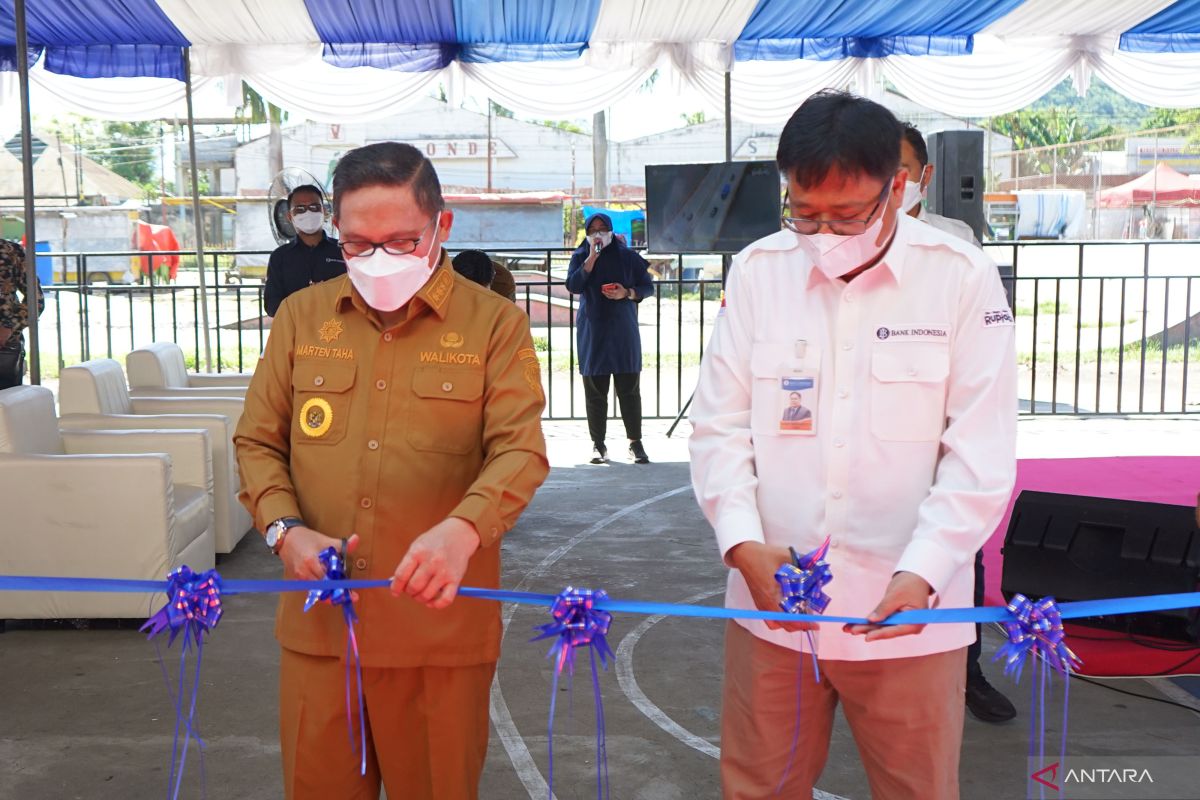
(608, 286)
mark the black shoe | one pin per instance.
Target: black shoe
(599, 453)
(638, 453)
(986, 703)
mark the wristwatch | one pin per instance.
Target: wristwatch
(278, 529)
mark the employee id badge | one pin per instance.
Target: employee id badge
(799, 393)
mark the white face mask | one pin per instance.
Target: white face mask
(308, 221)
(913, 193)
(837, 255)
(604, 238)
(389, 281)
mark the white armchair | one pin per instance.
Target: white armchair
(129, 504)
(93, 396)
(158, 370)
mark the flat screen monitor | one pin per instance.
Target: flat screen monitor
(711, 208)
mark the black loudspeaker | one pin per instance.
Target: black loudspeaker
(957, 187)
(1093, 548)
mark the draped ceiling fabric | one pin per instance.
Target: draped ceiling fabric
(347, 60)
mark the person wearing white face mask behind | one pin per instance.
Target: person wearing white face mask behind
(984, 701)
(310, 258)
(611, 280)
(914, 158)
(396, 417)
(900, 339)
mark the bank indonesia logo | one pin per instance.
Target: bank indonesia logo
(883, 333)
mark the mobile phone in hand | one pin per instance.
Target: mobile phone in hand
(609, 286)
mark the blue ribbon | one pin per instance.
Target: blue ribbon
(1035, 629)
(334, 589)
(802, 584)
(578, 623)
(193, 608)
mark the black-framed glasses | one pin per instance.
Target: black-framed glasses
(841, 227)
(396, 247)
(318, 207)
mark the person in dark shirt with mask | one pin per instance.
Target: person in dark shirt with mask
(310, 258)
(611, 279)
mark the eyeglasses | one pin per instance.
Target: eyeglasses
(396, 247)
(841, 227)
(310, 207)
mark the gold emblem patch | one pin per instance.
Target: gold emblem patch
(330, 330)
(438, 289)
(315, 417)
(453, 340)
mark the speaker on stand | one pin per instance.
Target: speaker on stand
(956, 190)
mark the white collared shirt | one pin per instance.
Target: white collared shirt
(954, 227)
(914, 454)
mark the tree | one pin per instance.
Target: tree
(1030, 129)
(257, 110)
(694, 118)
(560, 124)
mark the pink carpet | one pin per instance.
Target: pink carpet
(1156, 479)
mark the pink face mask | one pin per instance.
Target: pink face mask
(387, 281)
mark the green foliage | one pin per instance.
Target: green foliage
(694, 118)
(1034, 128)
(500, 111)
(256, 110)
(561, 124)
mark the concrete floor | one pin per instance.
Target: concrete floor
(84, 712)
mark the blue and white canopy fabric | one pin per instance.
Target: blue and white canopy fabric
(357, 59)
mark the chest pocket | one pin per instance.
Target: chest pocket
(321, 400)
(446, 412)
(768, 363)
(908, 391)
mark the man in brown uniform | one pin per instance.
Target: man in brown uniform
(397, 407)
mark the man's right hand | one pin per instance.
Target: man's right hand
(758, 564)
(302, 545)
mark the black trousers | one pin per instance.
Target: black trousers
(629, 396)
(976, 649)
(12, 368)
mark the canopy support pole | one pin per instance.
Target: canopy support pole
(31, 278)
(191, 126)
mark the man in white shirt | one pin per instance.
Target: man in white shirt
(984, 701)
(914, 158)
(904, 337)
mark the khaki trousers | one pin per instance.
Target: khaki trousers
(906, 715)
(427, 730)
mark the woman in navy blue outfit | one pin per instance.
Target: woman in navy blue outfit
(610, 280)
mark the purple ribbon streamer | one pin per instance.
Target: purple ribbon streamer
(802, 584)
(193, 608)
(578, 623)
(334, 564)
(1036, 630)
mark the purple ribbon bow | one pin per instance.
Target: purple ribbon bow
(334, 564)
(1036, 629)
(193, 608)
(803, 582)
(578, 623)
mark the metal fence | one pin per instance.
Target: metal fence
(1102, 327)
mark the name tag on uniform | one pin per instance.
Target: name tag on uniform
(913, 332)
(799, 392)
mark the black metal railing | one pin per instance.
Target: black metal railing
(1094, 336)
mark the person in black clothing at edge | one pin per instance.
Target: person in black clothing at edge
(310, 258)
(611, 279)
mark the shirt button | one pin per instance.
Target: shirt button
(319, 381)
(849, 297)
(838, 443)
(387, 337)
(836, 494)
(843, 394)
(365, 502)
(360, 563)
(372, 445)
(847, 346)
(381, 384)
(912, 370)
(835, 543)
(447, 386)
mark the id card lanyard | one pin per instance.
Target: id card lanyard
(799, 391)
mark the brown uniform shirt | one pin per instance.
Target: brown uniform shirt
(386, 433)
